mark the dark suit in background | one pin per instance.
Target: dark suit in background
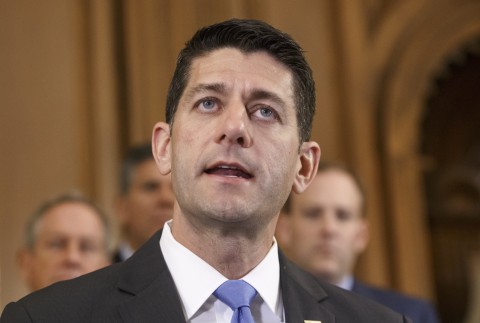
(141, 289)
(324, 230)
(418, 310)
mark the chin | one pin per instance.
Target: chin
(327, 273)
(66, 277)
(229, 213)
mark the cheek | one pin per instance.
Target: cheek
(183, 145)
(352, 240)
(304, 234)
(95, 262)
(358, 243)
(280, 164)
(308, 227)
(188, 134)
(44, 263)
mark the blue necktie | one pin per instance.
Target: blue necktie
(237, 294)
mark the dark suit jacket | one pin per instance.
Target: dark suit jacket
(117, 257)
(418, 310)
(141, 289)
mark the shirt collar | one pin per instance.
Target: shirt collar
(265, 277)
(196, 280)
(125, 250)
(346, 283)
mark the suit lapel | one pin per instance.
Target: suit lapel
(302, 295)
(146, 277)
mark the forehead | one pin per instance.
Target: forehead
(70, 218)
(232, 67)
(330, 188)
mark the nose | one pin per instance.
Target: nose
(72, 255)
(329, 226)
(233, 128)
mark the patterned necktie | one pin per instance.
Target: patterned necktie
(237, 294)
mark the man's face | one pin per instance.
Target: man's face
(147, 204)
(70, 241)
(234, 145)
(327, 227)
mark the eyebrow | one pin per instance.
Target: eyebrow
(267, 95)
(257, 94)
(201, 88)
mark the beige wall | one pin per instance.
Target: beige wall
(49, 139)
(41, 143)
(80, 80)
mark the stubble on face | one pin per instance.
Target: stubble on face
(270, 157)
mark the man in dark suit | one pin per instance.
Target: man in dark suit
(145, 200)
(239, 113)
(324, 230)
(66, 236)
(418, 310)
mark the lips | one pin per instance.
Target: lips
(229, 171)
(325, 250)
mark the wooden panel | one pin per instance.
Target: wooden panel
(40, 135)
(80, 79)
(411, 57)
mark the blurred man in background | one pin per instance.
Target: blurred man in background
(145, 201)
(66, 237)
(324, 230)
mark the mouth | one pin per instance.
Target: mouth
(67, 274)
(327, 252)
(229, 171)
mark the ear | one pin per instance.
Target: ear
(306, 166)
(24, 262)
(363, 237)
(161, 147)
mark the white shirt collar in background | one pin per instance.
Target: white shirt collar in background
(346, 283)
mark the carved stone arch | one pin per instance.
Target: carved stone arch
(411, 47)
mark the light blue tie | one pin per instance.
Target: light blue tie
(237, 294)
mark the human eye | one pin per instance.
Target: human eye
(89, 247)
(55, 244)
(265, 112)
(207, 104)
(150, 186)
(343, 215)
(311, 214)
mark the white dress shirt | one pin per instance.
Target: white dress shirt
(346, 283)
(125, 251)
(196, 281)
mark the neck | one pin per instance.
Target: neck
(233, 250)
(131, 241)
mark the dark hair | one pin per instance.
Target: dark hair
(325, 166)
(134, 156)
(69, 197)
(248, 36)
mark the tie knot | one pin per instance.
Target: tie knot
(235, 293)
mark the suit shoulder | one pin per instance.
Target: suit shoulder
(301, 289)
(68, 301)
(389, 295)
(353, 304)
(419, 310)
